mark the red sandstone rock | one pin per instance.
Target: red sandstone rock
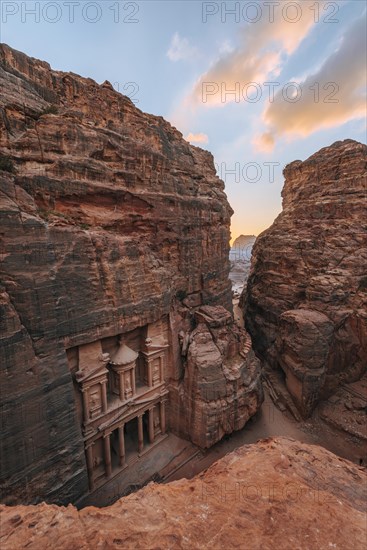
(278, 493)
(305, 303)
(222, 381)
(110, 222)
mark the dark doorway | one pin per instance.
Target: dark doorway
(131, 438)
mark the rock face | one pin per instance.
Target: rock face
(110, 223)
(305, 303)
(276, 494)
(220, 370)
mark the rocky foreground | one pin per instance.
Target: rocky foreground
(305, 302)
(277, 493)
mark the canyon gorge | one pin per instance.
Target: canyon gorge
(119, 337)
(117, 312)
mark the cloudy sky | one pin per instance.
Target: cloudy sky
(258, 83)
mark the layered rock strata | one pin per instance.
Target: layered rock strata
(305, 303)
(112, 226)
(222, 385)
(278, 493)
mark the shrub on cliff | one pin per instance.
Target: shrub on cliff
(50, 110)
(7, 164)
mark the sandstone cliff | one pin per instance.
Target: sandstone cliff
(305, 303)
(244, 241)
(222, 384)
(276, 494)
(110, 221)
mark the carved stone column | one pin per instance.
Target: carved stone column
(89, 453)
(140, 433)
(150, 374)
(122, 445)
(161, 369)
(151, 425)
(122, 387)
(162, 411)
(107, 454)
(133, 381)
(104, 397)
(85, 405)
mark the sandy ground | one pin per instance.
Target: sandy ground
(268, 422)
(271, 422)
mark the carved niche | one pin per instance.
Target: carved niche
(92, 377)
(154, 355)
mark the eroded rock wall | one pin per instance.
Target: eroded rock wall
(110, 221)
(221, 388)
(305, 303)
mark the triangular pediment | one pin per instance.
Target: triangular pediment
(92, 361)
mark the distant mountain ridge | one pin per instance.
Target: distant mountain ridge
(240, 257)
(244, 240)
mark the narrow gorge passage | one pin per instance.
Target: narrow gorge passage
(155, 379)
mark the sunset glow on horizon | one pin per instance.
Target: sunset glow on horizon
(258, 84)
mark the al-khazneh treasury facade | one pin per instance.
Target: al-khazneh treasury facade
(121, 395)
